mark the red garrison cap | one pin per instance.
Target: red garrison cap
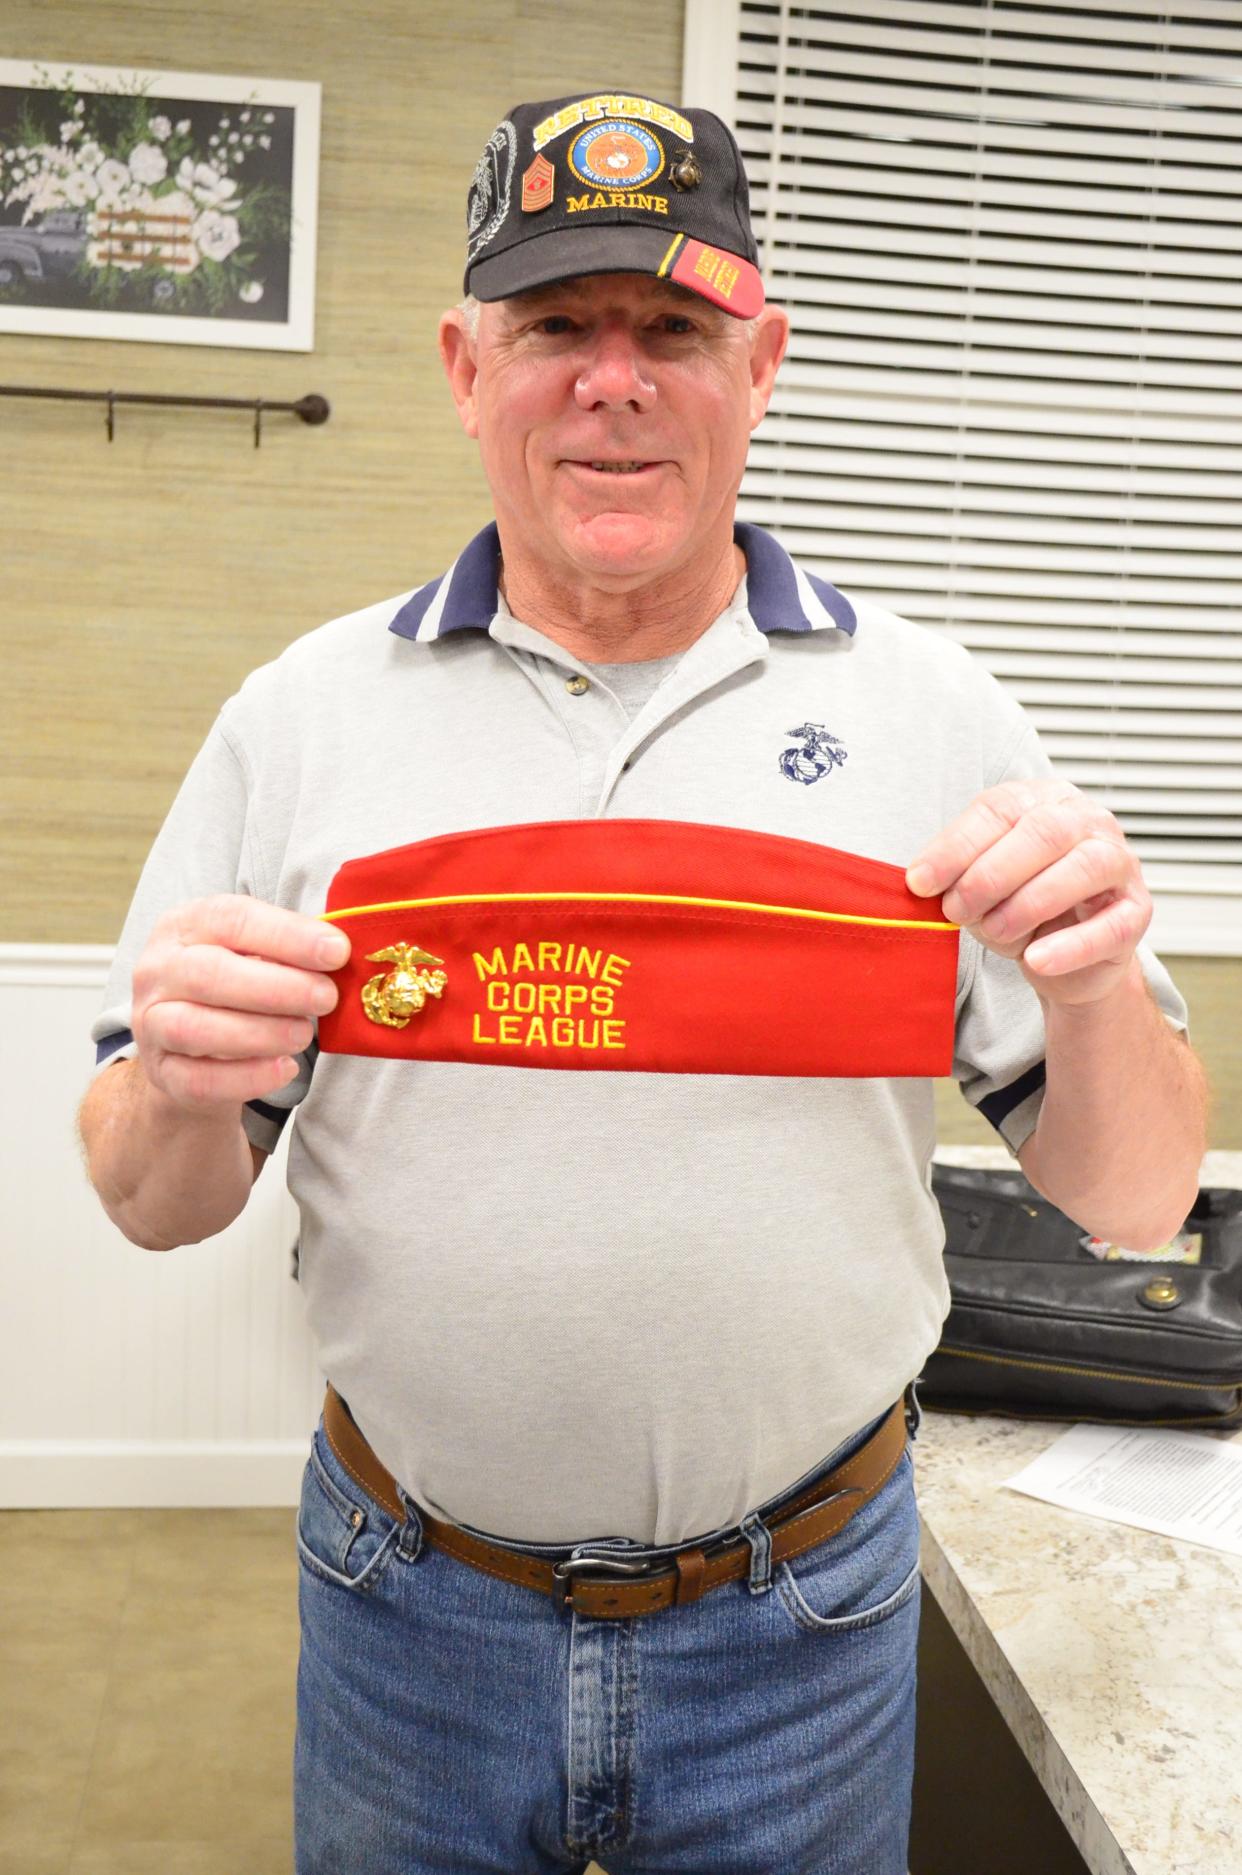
(656, 945)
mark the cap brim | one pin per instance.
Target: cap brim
(626, 247)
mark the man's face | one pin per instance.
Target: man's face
(613, 415)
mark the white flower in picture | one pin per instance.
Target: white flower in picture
(183, 128)
(211, 186)
(174, 203)
(68, 130)
(90, 156)
(252, 292)
(79, 106)
(203, 182)
(46, 194)
(112, 177)
(217, 235)
(265, 143)
(245, 117)
(148, 163)
(161, 127)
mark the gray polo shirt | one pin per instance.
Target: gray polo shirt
(564, 1304)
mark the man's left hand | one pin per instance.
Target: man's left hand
(1036, 871)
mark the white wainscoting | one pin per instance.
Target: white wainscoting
(127, 1377)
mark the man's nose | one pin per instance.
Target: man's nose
(615, 374)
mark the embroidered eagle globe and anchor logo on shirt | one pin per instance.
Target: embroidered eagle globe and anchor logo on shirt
(818, 755)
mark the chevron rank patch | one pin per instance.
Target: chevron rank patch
(538, 186)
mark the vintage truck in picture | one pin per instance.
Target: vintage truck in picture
(45, 250)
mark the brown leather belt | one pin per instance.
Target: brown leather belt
(807, 1520)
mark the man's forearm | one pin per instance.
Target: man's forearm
(165, 1175)
(1122, 1129)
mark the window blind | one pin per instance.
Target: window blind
(1008, 237)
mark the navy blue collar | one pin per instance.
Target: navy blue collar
(780, 596)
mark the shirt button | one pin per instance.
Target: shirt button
(577, 685)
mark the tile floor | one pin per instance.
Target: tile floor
(130, 1743)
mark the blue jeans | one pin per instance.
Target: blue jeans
(450, 1721)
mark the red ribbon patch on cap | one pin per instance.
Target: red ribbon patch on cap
(652, 945)
(725, 279)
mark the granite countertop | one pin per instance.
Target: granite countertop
(1114, 1654)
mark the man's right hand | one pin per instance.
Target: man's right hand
(224, 996)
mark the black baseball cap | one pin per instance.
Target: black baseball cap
(612, 184)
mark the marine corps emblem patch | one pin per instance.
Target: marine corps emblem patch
(819, 754)
(616, 155)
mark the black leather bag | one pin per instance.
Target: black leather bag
(1039, 1328)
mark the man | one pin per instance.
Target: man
(612, 1551)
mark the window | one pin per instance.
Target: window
(1009, 240)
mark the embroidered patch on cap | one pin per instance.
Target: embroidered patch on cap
(538, 186)
(491, 187)
(725, 279)
(590, 110)
(617, 156)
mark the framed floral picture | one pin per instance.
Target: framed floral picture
(178, 207)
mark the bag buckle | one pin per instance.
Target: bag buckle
(604, 1566)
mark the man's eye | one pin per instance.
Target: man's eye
(677, 324)
(555, 325)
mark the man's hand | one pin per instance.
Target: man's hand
(1036, 871)
(224, 996)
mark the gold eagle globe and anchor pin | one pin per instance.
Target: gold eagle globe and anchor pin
(392, 998)
(685, 173)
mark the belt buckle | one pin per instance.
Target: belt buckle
(562, 1573)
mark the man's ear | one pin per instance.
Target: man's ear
(460, 367)
(766, 351)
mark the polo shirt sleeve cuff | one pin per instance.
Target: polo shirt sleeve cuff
(263, 1121)
(1001, 1067)
(263, 1124)
(1014, 1110)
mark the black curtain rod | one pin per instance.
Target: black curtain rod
(311, 409)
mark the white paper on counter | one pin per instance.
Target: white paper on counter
(1181, 1484)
